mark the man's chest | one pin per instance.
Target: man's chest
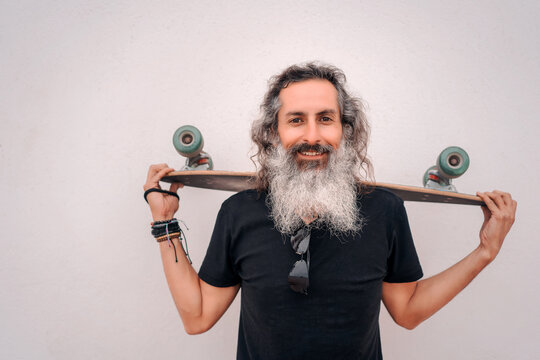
(263, 258)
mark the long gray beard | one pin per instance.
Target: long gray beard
(327, 193)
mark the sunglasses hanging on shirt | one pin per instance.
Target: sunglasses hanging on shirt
(299, 274)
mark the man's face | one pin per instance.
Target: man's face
(310, 115)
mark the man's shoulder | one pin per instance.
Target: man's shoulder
(380, 197)
(245, 208)
(244, 199)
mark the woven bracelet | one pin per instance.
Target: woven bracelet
(165, 227)
(160, 232)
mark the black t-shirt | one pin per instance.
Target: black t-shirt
(339, 318)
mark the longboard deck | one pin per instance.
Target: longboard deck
(238, 181)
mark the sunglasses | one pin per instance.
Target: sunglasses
(299, 275)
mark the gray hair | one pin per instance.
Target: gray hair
(353, 119)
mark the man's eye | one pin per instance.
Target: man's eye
(295, 121)
(326, 119)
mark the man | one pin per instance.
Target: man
(313, 251)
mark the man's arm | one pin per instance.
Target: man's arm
(199, 304)
(411, 303)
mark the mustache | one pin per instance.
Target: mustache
(305, 147)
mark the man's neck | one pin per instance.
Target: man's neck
(310, 219)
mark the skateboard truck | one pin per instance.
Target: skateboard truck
(452, 162)
(188, 142)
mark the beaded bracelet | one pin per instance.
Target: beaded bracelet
(162, 222)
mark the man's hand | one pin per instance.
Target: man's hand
(163, 206)
(499, 215)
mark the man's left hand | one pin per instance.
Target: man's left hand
(499, 215)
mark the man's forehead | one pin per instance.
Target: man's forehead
(322, 112)
(313, 94)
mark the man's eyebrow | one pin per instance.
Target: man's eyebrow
(295, 113)
(327, 111)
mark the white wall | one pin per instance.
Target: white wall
(92, 91)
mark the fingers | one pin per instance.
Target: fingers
(154, 169)
(497, 198)
(176, 186)
(499, 202)
(491, 205)
(506, 197)
(155, 174)
(161, 174)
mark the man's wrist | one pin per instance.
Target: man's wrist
(484, 256)
(162, 217)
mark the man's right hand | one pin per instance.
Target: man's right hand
(162, 206)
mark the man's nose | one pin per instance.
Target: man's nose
(312, 133)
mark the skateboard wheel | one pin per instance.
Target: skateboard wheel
(453, 162)
(188, 141)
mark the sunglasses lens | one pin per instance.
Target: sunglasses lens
(298, 277)
(300, 241)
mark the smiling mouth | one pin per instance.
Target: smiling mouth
(310, 150)
(311, 156)
(310, 153)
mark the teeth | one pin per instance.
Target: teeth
(311, 153)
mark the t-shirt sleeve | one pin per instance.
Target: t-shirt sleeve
(402, 263)
(217, 268)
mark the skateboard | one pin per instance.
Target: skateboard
(197, 172)
(238, 181)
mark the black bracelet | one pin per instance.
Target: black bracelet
(160, 228)
(160, 191)
(157, 232)
(155, 223)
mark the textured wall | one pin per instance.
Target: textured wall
(91, 92)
